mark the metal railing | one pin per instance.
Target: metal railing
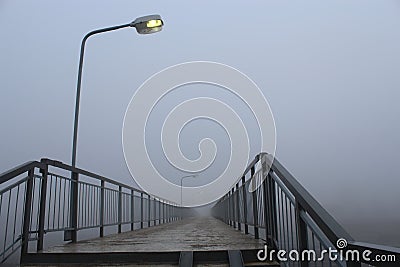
(272, 205)
(49, 196)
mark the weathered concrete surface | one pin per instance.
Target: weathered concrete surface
(193, 234)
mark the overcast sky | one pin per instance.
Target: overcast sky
(329, 69)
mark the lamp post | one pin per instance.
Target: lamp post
(143, 25)
(187, 176)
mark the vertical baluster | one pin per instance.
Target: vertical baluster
(96, 205)
(164, 213)
(15, 217)
(64, 200)
(49, 202)
(81, 201)
(59, 205)
(280, 217)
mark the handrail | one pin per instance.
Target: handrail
(61, 165)
(37, 201)
(20, 169)
(324, 220)
(291, 218)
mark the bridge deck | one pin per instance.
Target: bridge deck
(193, 234)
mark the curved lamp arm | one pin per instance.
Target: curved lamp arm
(78, 86)
(144, 25)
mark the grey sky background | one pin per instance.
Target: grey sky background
(329, 69)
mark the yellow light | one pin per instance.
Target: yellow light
(154, 23)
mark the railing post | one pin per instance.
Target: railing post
(42, 207)
(74, 207)
(269, 201)
(159, 211)
(167, 211)
(27, 214)
(233, 207)
(272, 208)
(238, 207)
(148, 211)
(155, 211)
(229, 208)
(255, 209)
(163, 212)
(302, 233)
(246, 226)
(221, 209)
(102, 184)
(226, 208)
(119, 209)
(267, 213)
(141, 210)
(132, 210)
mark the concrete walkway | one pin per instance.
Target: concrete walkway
(193, 234)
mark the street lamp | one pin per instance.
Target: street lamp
(187, 176)
(143, 25)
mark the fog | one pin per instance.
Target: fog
(329, 70)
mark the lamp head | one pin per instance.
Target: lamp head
(148, 24)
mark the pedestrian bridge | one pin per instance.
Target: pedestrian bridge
(50, 212)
